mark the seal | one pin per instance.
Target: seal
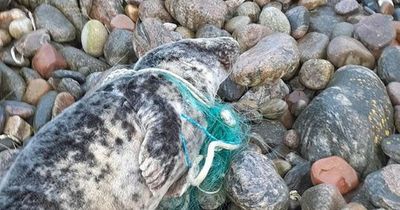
(119, 146)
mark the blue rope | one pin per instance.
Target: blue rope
(185, 150)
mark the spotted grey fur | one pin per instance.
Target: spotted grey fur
(119, 147)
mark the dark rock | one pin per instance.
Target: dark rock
(4, 4)
(211, 31)
(59, 27)
(299, 19)
(251, 69)
(342, 29)
(381, 188)
(279, 151)
(194, 14)
(313, 46)
(397, 117)
(71, 86)
(77, 76)
(281, 166)
(323, 18)
(119, 48)
(271, 132)
(78, 59)
(149, 34)
(181, 202)
(7, 143)
(12, 85)
(72, 12)
(323, 196)
(388, 65)
(391, 147)
(344, 50)
(44, 109)
(257, 187)
(298, 178)
(353, 112)
(230, 91)
(18, 108)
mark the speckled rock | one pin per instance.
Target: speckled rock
(315, 74)
(299, 19)
(18, 128)
(249, 35)
(381, 188)
(94, 36)
(185, 32)
(29, 74)
(250, 9)
(31, 42)
(388, 65)
(119, 48)
(342, 29)
(154, 9)
(149, 34)
(354, 111)
(275, 20)
(44, 109)
(12, 84)
(256, 187)
(344, 50)
(237, 23)
(72, 11)
(347, 7)
(291, 139)
(211, 31)
(59, 27)
(323, 196)
(193, 14)
(77, 59)
(273, 109)
(252, 69)
(391, 147)
(322, 20)
(18, 108)
(313, 46)
(376, 32)
(71, 86)
(62, 101)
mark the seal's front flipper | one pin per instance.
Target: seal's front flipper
(159, 152)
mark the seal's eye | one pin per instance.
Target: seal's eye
(228, 118)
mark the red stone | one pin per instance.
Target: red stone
(122, 22)
(47, 59)
(336, 171)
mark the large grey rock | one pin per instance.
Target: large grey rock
(273, 57)
(253, 183)
(194, 14)
(59, 27)
(381, 189)
(348, 119)
(313, 46)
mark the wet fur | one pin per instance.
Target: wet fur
(119, 147)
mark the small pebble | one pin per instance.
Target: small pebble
(19, 27)
(44, 109)
(210, 31)
(35, 90)
(281, 166)
(237, 22)
(71, 86)
(275, 20)
(273, 109)
(60, 74)
(291, 139)
(6, 17)
(250, 9)
(315, 74)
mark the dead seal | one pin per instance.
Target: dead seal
(119, 146)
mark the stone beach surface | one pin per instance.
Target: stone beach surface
(317, 81)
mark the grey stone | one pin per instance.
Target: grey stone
(249, 35)
(271, 132)
(28, 44)
(18, 108)
(154, 9)
(388, 65)
(313, 46)
(342, 29)
(253, 183)
(12, 84)
(299, 19)
(323, 196)
(77, 76)
(59, 27)
(391, 147)
(44, 110)
(298, 178)
(250, 9)
(6, 57)
(348, 119)
(323, 18)
(230, 91)
(71, 86)
(236, 23)
(275, 20)
(77, 59)
(29, 74)
(211, 31)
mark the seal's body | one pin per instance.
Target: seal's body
(119, 147)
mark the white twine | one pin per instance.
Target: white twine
(15, 58)
(32, 20)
